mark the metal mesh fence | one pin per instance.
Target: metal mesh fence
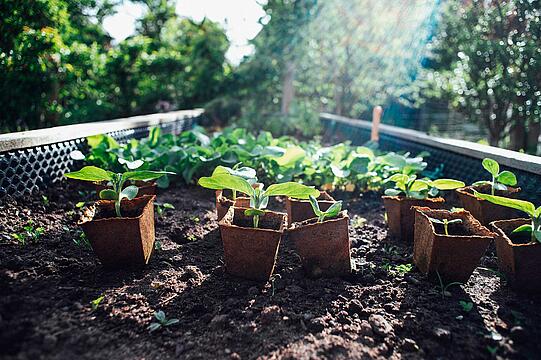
(455, 165)
(27, 171)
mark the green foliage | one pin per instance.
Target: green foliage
(445, 223)
(161, 208)
(96, 302)
(117, 192)
(29, 233)
(82, 241)
(525, 206)
(415, 188)
(466, 306)
(330, 213)
(161, 321)
(259, 198)
(499, 179)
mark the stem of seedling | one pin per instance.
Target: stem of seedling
(234, 194)
(492, 185)
(446, 226)
(256, 221)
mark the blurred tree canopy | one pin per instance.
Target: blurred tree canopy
(486, 60)
(59, 66)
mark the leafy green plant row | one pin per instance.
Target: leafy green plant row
(193, 154)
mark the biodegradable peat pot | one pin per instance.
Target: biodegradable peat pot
(518, 258)
(145, 188)
(223, 203)
(483, 210)
(453, 256)
(300, 210)
(250, 253)
(125, 241)
(401, 217)
(324, 247)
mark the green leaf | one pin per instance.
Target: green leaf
(154, 326)
(108, 194)
(333, 210)
(154, 136)
(521, 205)
(482, 182)
(226, 181)
(538, 212)
(145, 175)
(160, 316)
(90, 173)
(132, 165)
(168, 206)
(392, 192)
(447, 184)
(491, 166)
(130, 192)
(171, 322)
(254, 212)
(507, 178)
(291, 156)
(243, 172)
(315, 205)
(434, 220)
(292, 189)
(523, 228)
(419, 185)
(398, 178)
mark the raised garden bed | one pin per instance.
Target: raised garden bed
(51, 289)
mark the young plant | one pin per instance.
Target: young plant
(499, 179)
(414, 188)
(259, 198)
(525, 206)
(330, 213)
(162, 207)
(247, 173)
(96, 302)
(445, 223)
(117, 180)
(29, 233)
(162, 321)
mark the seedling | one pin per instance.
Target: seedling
(396, 270)
(80, 204)
(330, 213)
(445, 223)
(162, 321)
(500, 180)
(525, 206)
(358, 221)
(247, 173)
(162, 207)
(45, 200)
(82, 241)
(29, 233)
(467, 306)
(259, 198)
(117, 180)
(96, 302)
(444, 287)
(414, 188)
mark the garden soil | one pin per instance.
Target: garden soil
(46, 289)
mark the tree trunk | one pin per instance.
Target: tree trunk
(518, 136)
(288, 91)
(534, 131)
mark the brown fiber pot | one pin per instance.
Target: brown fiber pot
(518, 261)
(453, 256)
(483, 210)
(401, 217)
(145, 188)
(125, 241)
(324, 247)
(300, 210)
(248, 252)
(223, 203)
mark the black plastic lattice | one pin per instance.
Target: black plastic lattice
(456, 166)
(27, 171)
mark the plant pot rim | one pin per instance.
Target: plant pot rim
(465, 191)
(226, 223)
(495, 225)
(90, 212)
(329, 199)
(437, 199)
(465, 213)
(302, 224)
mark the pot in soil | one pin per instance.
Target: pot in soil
(251, 252)
(300, 210)
(324, 247)
(121, 241)
(518, 256)
(483, 210)
(401, 216)
(454, 255)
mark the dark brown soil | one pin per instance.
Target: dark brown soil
(381, 311)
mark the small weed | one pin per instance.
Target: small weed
(358, 222)
(161, 208)
(29, 233)
(467, 306)
(272, 281)
(82, 241)
(45, 200)
(158, 245)
(80, 204)
(397, 270)
(444, 287)
(96, 302)
(162, 321)
(390, 250)
(492, 349)
(195, 219)
(191, 237)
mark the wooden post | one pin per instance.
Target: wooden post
(376, 120)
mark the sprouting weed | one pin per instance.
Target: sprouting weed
(96, 302)
(397, 270)
(161, 322)
(192, 237)
(29, 233)
(82, 241)
(444, 287)
(80, 204)
(157, 245)
(358, 222)
(467, 306)
(272, 281)
(161, 208)
(45, 200)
